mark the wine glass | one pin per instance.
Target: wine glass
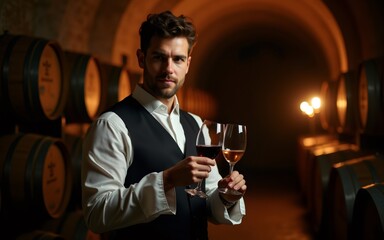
(233, 148)
(208, 144)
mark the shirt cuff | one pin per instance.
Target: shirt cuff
(170, 195)
(224, 215)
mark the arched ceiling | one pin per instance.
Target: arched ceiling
(309, 22)
(108, 29)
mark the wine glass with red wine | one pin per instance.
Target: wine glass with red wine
(208, 144)
(234, 144)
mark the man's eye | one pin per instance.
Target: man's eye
(179, 59)
(157, 57)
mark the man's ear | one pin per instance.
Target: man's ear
(140, 58)
(188, 63)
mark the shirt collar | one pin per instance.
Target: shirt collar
(151, 103)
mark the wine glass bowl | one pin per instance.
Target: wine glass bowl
(208, 144)
(233, 149)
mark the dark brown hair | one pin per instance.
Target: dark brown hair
(167, 25)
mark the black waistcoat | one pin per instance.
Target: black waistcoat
(154, 151)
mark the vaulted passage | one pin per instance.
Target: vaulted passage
(255, 62)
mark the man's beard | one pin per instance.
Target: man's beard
(158, 92)
(167, 94)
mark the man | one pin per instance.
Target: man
(140, 154)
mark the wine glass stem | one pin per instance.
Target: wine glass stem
(231, 167)
(198, 187)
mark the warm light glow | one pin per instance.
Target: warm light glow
(311, 109)
(307, 109)
(310, 112)
(316, 103)
(304, 105)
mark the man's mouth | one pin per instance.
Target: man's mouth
(166, 80)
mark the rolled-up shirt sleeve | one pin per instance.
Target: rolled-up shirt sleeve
(107, 203)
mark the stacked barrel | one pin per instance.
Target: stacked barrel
(341, 171)
(48, 98)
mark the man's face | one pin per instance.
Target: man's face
(165, 65)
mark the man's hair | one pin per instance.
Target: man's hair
(167, 25)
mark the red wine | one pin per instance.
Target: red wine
(210, 151)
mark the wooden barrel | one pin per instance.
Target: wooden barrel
(320, 179)
(345, 181)
(307, 156)
(117, 81)
(75, 129)
(368, 213)
(306, 144)
(33, 86)
(329, 153)
(86, 98)
(36, 182)
(346, 103)
(370, 92)
(328, 113)
(323, 151)
(71, 226)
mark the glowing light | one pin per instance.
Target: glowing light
(316, 103)
(311, 109)
(304, 105)
(307, 109)
(310, 112)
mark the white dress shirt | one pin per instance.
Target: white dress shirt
(107, 155)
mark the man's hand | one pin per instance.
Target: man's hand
(234, 181)
(188, 171)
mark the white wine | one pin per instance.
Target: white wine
(233, 156)
(234, 144)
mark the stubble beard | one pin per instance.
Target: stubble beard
(163, 93)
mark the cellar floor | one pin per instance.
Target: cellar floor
(275, 211)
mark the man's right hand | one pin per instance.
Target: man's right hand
(191, 170)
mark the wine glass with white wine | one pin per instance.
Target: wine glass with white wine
(208, 144)
(233, 148)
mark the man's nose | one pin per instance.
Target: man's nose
(169, 65)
